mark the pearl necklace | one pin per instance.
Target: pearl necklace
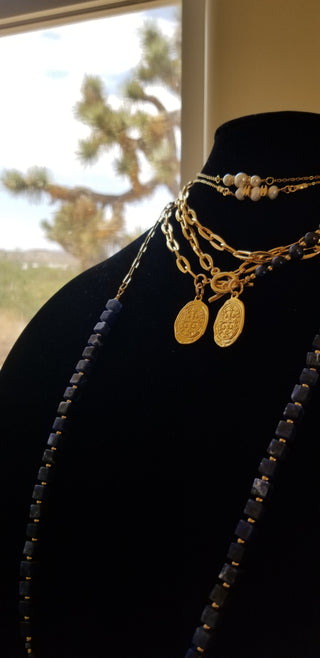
(254, 187)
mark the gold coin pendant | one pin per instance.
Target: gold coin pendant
(229, 322)
(191, 322)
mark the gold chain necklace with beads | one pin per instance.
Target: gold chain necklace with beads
(192, 320)
(255, 187)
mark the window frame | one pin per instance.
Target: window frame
(15, 18)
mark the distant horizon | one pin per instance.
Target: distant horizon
(21, 250)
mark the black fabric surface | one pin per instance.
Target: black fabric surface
(167, 438)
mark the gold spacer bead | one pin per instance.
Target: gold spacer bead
(247, 189)
(264, 190)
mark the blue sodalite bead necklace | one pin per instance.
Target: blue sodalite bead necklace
(45, 476)
(202, 642)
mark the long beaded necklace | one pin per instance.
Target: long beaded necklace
(277, 449)
(46, 472)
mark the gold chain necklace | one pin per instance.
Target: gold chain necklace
(254, 187)
(192, 320)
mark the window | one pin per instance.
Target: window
(45, 72)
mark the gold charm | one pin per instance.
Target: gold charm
(229, 322)
(191, 322)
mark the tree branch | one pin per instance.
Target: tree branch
(62, 193)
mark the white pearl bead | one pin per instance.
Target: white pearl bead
(255, 193)
(227, 180)
(239, 193)
(273, 192)
(255, 180)
(240, 179)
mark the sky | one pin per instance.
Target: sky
(40, 80)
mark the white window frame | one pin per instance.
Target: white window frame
(15, 17)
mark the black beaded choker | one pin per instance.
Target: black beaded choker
(261, 490)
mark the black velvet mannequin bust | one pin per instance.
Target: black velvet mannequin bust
(166, 439)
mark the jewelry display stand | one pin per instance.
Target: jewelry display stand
(162, 445)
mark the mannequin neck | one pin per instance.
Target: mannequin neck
(279, 144)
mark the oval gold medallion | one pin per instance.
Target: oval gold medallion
(229, 322)
(191, 322)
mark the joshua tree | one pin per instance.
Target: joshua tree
(88, 223)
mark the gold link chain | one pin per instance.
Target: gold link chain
(127, 279)
(222, 283)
